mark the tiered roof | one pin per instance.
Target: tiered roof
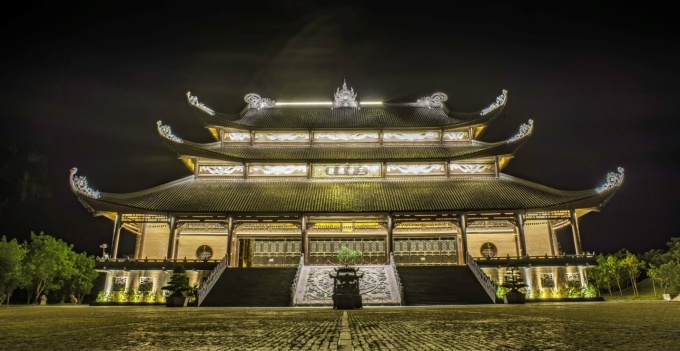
(195, 194)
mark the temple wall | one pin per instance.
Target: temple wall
(133, 278)
(189, 243)
(537, 238)
(542, 281)
(505, 243)
(155, 241)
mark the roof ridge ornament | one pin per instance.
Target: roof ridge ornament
(166, 132)
(613, 180)
(435, 100)
(500, 101)
(194, 101)
(79, 185)
(524, 130)
(258, 102)
(345, 97)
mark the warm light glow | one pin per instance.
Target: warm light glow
(303, 103)
(214, 133)
(324, 103)
(189, 163)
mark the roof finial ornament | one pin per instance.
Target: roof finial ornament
(435, 100)
(256, 101)
(345, 97)
(613, 180)
(194, 101)
(524, 130)
(79, 185)
(166, 132)
(500, 101)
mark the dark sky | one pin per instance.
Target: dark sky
(84, 84)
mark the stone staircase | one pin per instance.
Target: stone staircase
(441, 285)
(251, 287)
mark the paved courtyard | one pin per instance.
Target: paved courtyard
(645, 325)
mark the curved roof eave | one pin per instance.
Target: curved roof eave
(239, 153)
(193, 195)
(484, 117)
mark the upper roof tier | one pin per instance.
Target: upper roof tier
(337, 152)
(347, 112)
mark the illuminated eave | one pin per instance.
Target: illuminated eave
(322, 103)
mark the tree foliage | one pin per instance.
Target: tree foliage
(347, 255)
(661, 266)
(42, 265)
(12, 273)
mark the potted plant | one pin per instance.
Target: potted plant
(513, 281)
(178, 286)
(347, 255)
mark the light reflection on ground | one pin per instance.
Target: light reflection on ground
(541, 326)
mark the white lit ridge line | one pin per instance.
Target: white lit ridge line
(278, 103)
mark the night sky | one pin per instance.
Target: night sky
(84, 84)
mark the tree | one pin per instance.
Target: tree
(12, 274)
(82, 280)
(652, 259)
(48, 264)
(604, 272)
(666, 275)
(631, 265)
(615, 269)
(665, 269)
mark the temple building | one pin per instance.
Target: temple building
(285, 185)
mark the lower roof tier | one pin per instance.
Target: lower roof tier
(211, 196)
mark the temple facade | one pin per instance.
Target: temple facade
(407, 184)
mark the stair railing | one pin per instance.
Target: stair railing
(293, 287)
(212, 279)
(484, 279)
(396, 277)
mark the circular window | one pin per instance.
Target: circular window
(489, 250)
(204, 252)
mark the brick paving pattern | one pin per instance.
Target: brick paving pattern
(645, 325)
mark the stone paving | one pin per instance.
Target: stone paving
(644, 325)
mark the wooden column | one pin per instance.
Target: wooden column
(577, 233)
(230, 240)
(171, 238)
(117, 225)
(553, 241)
(304, 241)
(496, 165)
(388, 241)
(140, 242)
(462, 252)
(522, 239)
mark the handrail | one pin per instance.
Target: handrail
(397, 278)
(484, 279)
(293, 288)
(212, 279)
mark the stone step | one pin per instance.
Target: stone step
(441, 285)
(252, 287)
